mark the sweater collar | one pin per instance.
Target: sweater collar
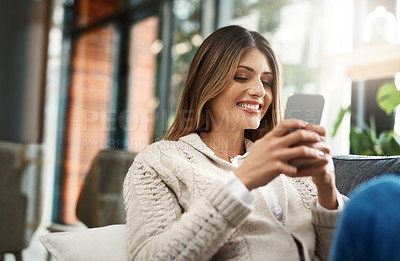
(194, 140)
(197, 143)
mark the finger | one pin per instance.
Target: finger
(299, 137)
(307, 163)
(323, 145)
(300, 152)
(289, 170)
(312, 171)
(321, 130)
(317, 169)
(285, 126)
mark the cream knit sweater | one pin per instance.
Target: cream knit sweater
(179, 209)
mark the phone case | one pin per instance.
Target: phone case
(307, 107)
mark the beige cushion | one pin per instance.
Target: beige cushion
(107, 243)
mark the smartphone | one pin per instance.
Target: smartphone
(307, 107)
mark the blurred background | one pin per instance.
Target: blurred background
(81, 76)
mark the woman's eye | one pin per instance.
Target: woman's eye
(240, 78)
(267, 84)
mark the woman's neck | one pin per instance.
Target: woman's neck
(224, 145)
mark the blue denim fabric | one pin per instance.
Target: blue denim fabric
(369, 227)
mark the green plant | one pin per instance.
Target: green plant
(363, 138)
(388, 97)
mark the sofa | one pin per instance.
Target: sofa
(109, 243)
(352, 170)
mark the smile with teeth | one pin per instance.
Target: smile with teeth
(249, 106)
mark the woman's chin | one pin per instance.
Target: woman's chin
(247, 123)
(253, 125)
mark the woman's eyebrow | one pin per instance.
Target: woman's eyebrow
(251, 69)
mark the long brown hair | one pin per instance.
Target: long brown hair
(213, 66)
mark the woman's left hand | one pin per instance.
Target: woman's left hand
(321, 170)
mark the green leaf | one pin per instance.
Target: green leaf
(372, 128)
(361, 142)
(339, 119)
(372, 134)
(362, 123)
(388, 97)
(389, 142)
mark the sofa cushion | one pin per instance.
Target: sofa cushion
(352, 170)
(107, 243)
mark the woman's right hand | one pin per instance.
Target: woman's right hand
(271, 155)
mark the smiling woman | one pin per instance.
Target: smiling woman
(218, 63)
(246, 98)
(223, 185)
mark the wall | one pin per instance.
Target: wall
(23, 41)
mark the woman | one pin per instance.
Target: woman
(223, 185)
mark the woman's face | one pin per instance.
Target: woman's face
(247, 96)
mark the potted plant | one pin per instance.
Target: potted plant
(363, 138)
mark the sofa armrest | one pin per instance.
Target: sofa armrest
(352, 170)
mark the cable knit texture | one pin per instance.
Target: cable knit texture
(179, 209)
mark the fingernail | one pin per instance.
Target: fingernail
(322, 138)
(321, 153)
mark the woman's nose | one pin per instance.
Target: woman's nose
(257, 89)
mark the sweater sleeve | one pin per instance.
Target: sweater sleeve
(324, 223)
(157, 229)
